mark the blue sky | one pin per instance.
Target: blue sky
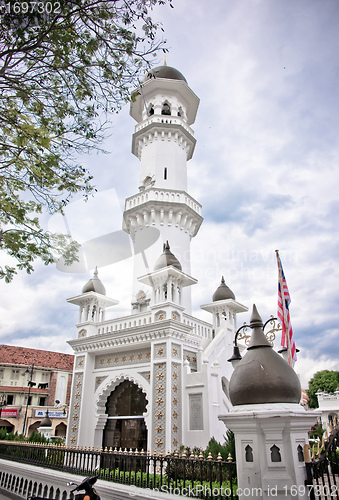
(265, 170)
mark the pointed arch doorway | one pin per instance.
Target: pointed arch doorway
(125, 426)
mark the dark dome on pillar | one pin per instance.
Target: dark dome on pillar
(94, 285)
(167, 258)
(263, 376)
(223, 292)
(46, 422)
(165, 72)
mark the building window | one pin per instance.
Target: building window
(15, 374)
(29, 401)
(1, 373)
(45, 377)
(10, 399)
(165, 173)
(42, 401)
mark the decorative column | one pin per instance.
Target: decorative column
(270, 426)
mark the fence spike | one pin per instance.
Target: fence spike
(183, 454)
(142, 451)
(136, 451)
(110, 449)
(161, 453)
(192, 455)
(176, 454)
(219, 457)
(115, 450)
(148, 453)
(201, 456)
(130, 451)
(125, 451)
(229, 458)
(155, 453)
(209, 456)
(168, 454)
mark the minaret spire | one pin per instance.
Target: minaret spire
(164, 142)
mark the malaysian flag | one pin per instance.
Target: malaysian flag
(284, 301)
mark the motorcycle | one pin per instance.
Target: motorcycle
(86, 485)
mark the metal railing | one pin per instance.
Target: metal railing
(322, 467)
(193, 476)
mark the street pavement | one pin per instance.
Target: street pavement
(7, 495)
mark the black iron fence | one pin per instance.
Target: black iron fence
(322, 467)
(192, 476)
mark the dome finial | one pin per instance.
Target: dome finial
(165, 60)
(167, 259)
(95, 271)
(223, 292)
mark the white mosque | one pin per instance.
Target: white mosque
(159, 377)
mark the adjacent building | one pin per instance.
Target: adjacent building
(32, 381)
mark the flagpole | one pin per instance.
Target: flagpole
(287, 330)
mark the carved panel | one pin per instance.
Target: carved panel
(176, 351)
(135, 357)
(159, 406)
(160, 350)
(176, 406)
(75, 408)
(191, 357)
(80, 362)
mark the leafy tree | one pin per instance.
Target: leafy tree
(325, 380)
(64, 64)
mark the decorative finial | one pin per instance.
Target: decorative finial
(165, 61)
(95, 274)
(222, 280)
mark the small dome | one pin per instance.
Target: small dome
(223, 292)
(94, 284)
(46, 422)
(263, 376)
(167, 259)
(165, 72)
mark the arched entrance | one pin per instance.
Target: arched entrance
(125, 426)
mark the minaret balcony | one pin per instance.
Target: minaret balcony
(163, 119)
(156, 207)
(161, 128)
(164, 196)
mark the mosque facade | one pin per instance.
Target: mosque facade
(157, 378)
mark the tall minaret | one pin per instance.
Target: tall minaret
(164, 107)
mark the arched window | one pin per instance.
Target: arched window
(275, 454)
(248, 454)
(166, 109)
(125, 426)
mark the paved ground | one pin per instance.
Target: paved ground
(6, 495)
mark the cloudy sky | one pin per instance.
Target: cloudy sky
(265, 170)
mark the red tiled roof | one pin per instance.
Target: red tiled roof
(13, 355)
